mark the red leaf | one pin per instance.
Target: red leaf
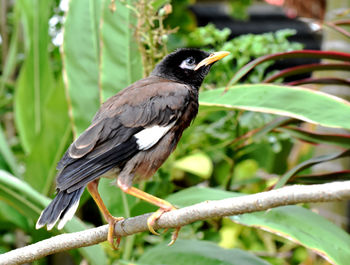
(324, 81)
(342, 56)
(308, 68)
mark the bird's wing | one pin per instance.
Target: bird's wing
(133, 120)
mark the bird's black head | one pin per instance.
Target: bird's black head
(187, 65)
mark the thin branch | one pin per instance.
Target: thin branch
(336, 191)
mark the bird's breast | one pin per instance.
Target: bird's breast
(146, 162)
(188, 114)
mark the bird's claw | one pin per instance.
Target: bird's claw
(113, 241)
(155, 216)
(152, 220)
(174, 236)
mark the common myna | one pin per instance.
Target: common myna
(130, 137)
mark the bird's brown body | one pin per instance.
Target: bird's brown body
(131, 136)
(182, 104)
(127, 113)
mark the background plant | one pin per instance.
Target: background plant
(228, 149)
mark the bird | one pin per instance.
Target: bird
(130, 137)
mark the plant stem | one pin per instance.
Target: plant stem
(335, 191)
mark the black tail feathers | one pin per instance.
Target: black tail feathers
(62, 209)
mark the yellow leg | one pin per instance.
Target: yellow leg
(93, 189)
(164, 207)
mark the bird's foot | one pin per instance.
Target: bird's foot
(155, 216)
(174, 236)
(113, 241)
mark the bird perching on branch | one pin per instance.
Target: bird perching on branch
(130, 137)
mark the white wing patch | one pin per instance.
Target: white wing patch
(148, 137)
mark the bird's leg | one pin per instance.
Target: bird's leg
(93, 189)
(163, 205)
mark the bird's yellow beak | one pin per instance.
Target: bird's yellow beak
(212, 58)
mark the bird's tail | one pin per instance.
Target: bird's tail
(61, 208)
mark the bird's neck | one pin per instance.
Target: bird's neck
(193, 83)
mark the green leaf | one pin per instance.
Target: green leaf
(28, 202)
(194, 195)
(308, 163)
(81, 61)
(296, 102)
(41, 169)
(342, 140)
(120, 58)
(278, 122)
(159, 3)
(304, 227)
(35, 80)
(94, 254)
(197, 252)
(9, 214)
(198, 164)
(11, 57)
(258, 133)
(321, 178)
(293, 222)
(113, 198)
(107, 62)
(21, 196)
(7, 154)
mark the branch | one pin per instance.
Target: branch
(336, 191)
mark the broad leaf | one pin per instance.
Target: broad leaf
(6, 153)
(107, 62)
(9, 66)
(278, 122)
(35, 80)
(116, 201)
(21, 196)
(198, 164)
(197, 252)
(308, 163)
(303, 227)
(321, 178)
(342, 140)
(296, 102)
(120, 58)
(81, 61)
(50, 144)
(9, 215)
(293, 222)
(259, 132)
(194, 195)
(30, 203)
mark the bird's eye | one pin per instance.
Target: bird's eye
(189, 63)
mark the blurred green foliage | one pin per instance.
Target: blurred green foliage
(239, 8)
(243, 49)
(223, 152)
